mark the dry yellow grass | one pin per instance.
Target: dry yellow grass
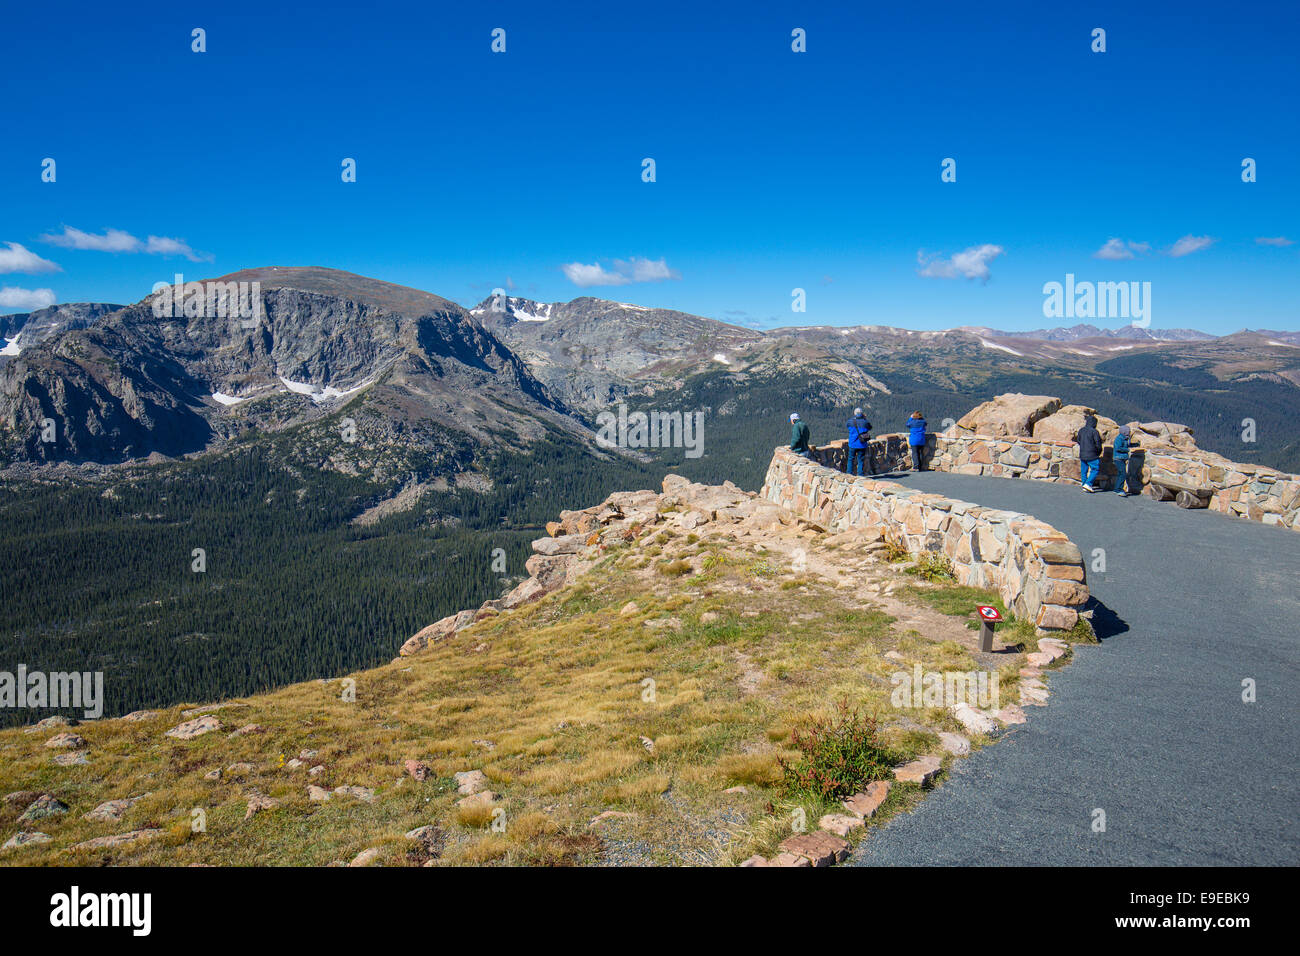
(555, 703)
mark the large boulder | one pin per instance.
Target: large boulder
(1064, 423)
(1012, 414)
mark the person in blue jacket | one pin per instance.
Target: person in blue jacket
(916, 439)
(1126, 483)
(859, 434)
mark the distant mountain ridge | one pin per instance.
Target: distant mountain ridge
(422, 375)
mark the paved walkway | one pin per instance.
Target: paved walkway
(1149, 726)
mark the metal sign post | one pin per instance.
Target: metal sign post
(988, 617)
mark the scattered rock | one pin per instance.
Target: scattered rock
(365, 794)
(257, 802)
(671, 623)
(24, 837)
(972, 719)
(365, 857)
(138, 715)
(865, 804)
(49, 723)
(46, 805)
(648, 744)
(470, 781)
(248, 729)
(67, 741)
(71, 759)
(740, 789)
(194, 728)
(954, 743)
(482, 799)
(841, 824)
(420, 771)
(921, 771)
(1010, 714)
(118, 839)
(113, 810)
(318, 794)
(755, 860)
(432, 838)
(819, 849)
(708, 617)
(629, 609)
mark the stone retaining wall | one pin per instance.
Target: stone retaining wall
(1255, 492)
(1036, 569)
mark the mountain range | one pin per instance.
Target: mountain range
(423, 379)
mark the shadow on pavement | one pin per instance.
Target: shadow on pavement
(1105, 622)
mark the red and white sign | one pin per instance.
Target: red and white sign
(989, 613)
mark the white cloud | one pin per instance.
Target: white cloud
(117, 240)
(1275, 241)
(1189, 244)
(28, 300)
(1119, 249)
(972, 263)
(625, 271)
(21, 259)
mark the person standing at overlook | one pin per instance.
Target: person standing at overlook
(1089, 441)
(916, 440)
(856, 460)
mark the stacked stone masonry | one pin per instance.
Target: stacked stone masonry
(1026, 436)
(1036, 569)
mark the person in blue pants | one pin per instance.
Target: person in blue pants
(916, 440)
(1090, 443)
(1126, 483)
(859, 434)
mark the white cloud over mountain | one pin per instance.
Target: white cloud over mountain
(118, 240)
(26, 300)
(19, 258)
(624, 272)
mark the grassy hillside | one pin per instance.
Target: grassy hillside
(681, 666)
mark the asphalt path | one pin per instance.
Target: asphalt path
(1149, 726)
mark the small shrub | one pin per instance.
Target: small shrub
(674, 569)
(933, 566)
(895, 551)
(839, 756)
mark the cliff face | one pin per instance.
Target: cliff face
(134, 383)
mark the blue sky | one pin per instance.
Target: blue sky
(775, 170)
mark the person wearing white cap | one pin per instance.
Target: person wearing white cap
(855, 461)
(799, 436)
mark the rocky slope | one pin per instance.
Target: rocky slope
(24, 330)
(133, 383)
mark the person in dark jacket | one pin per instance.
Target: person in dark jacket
(916, 440)
(1126, 483)
(859, 435)
(1089, 441)
(799, 436)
